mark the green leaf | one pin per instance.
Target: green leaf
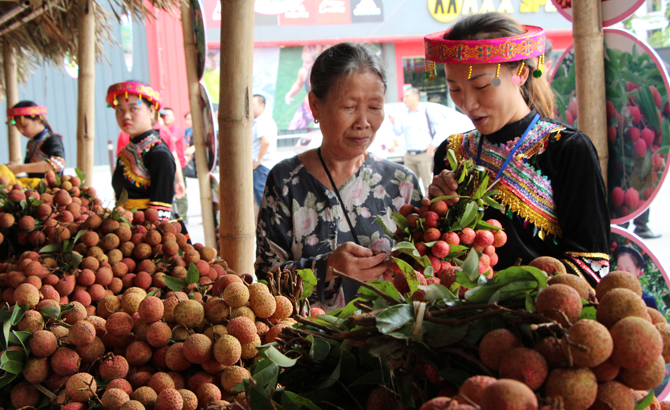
(79, 234)
(453, 162)
(486, 226)
(394, 318)
(530, 304)
(401, 221)
(51, 311)
(53, 247)
(193, 274)
(308, 282)
(383, 225)
(278, 357)
(588, 311)
(19, 338)
(645, 100)
(292, 401)
(80, 175)
(471, 265)
(435, 335)
(463, 280)
(153, 292)
(174, 283)
(123, 198)
(482, 188)
(406, 248)
(6, 379)
(12, 361)
(492, 203)
(319, 349)
(384, 286)
(646, 402)
(469, 214)
(437, 292)
(266, 374)
(446, 197)
(76, 259)
(18, 313)
(41, 187)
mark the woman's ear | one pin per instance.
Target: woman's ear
(314, 105)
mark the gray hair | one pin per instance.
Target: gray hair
(340, 60)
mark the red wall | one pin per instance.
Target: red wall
(167, 64)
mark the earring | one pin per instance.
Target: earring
(430, 71)
(516, 79)
(316, 121)
(540, 63)
(496, 81)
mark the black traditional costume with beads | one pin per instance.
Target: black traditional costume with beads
(553, 195)
(45, 147)
(145, 169)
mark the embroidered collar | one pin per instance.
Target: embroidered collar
(131, 156)
(35, 154)
(522, 188)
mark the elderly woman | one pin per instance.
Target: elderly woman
(319, 208)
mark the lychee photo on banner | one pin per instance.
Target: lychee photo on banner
(638, 119)
(613, 11)
(630, 253)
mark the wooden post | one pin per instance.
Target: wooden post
(198, 125)
(237, 229)
(12, 92)
(86, 89)
(587, 33)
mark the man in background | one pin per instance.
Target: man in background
(419, 125)
(263, 146)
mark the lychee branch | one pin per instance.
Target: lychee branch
(384, 295)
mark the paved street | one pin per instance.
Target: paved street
(659, 219)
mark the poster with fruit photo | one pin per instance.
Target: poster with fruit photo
(630, 254)
(638, 117)
(613, 11)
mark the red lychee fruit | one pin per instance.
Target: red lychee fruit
(467, 236)
(431, 219)
(440, 250)
(617, 197)
(506, 394)
(406, 210)
(525, 365)
(635, 113)
(632, 198)
(611, 133)
(633, 134)
(560, 303)
(640, 148)
(657, 96)
(81, 387)
(484, 238)
(495, 345)
(431, 234)
(648, 136)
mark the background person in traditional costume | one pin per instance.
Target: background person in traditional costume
(145, 167)
(548, 175)
(45, 148)
(629, 259)
(318, 210)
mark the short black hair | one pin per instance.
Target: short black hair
(260, 98)
(168, 108)
(634, 254)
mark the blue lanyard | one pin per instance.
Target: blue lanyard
(511, 153)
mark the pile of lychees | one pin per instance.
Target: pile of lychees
(606, 362)
(116, 308)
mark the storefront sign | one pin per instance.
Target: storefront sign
(446, 11)
(302, 15)
(364, 11)
(333, 12)
(275, 6)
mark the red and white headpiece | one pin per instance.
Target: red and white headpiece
(38, 111)
(122, 90)
(487, 51)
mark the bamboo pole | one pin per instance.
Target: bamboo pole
(86, 90)
(587, 33)
(14, 12)
(198, 125)
(12, 93)
(235, 123)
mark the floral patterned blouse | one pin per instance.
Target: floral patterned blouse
(300, 222)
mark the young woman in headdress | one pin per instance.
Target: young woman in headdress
(44, 151)
(547, 173)
(145, 167)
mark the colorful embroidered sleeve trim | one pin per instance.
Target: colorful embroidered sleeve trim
(133, 165)
(140, 203)
(57, 163)
(596, 268)
(591, 255)
(523, 189)
(164, 212)
(573, 267)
